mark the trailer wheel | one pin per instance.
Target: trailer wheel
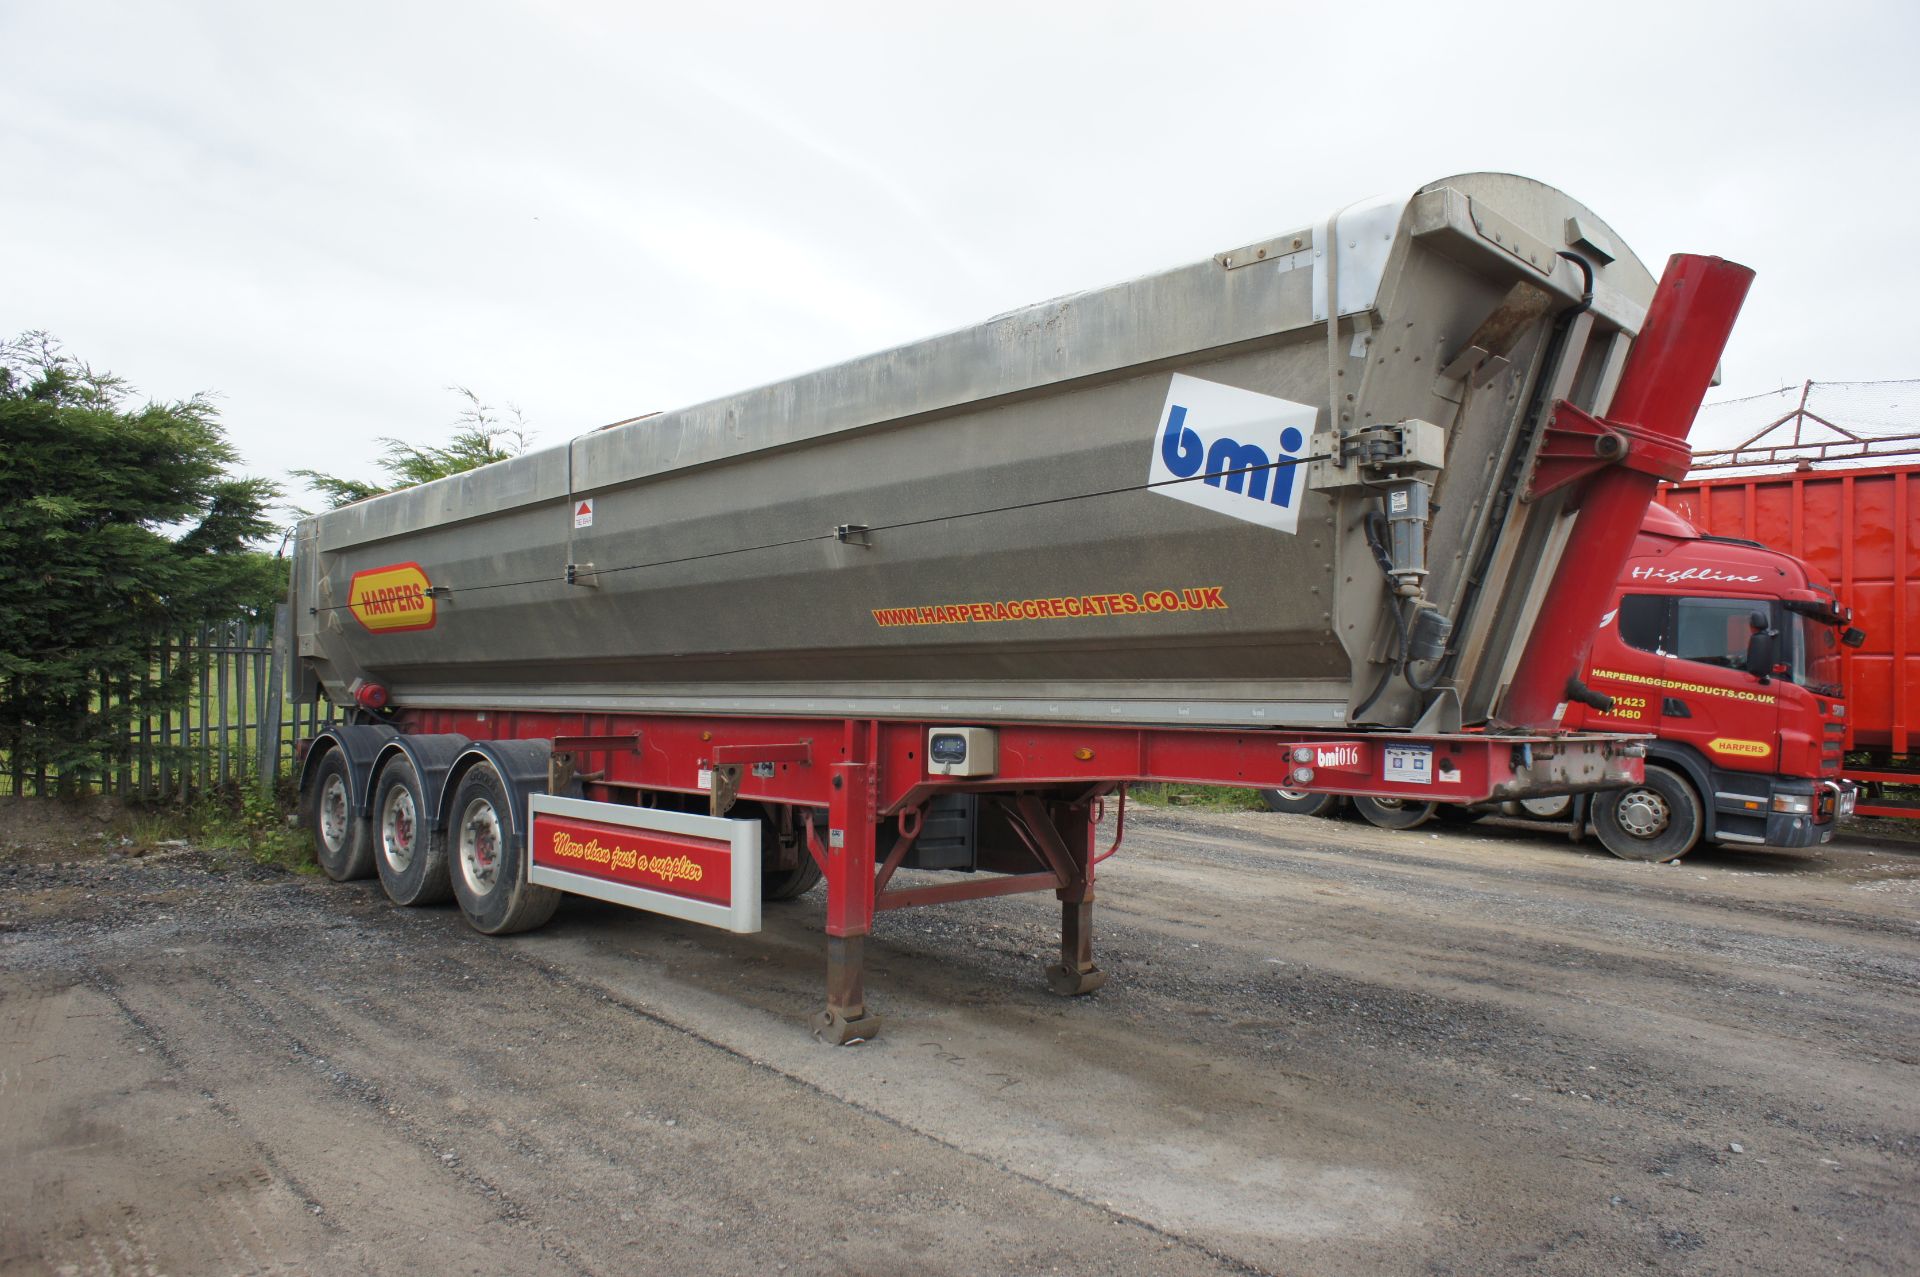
(1552, 807)
(1299, 802)
(1394, 813)
(790, 884)
(411, 858)
(489, 861)
(342, 843)
(1658, 820)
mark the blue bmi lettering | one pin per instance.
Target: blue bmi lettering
(1246, 469)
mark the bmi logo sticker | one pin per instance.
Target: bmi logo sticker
(1232, 450)
(583, 513)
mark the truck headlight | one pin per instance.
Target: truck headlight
(1794, 804)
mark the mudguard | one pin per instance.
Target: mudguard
(433, 759)
(360, 744)
(522, 764)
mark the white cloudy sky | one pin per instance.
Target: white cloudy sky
(329, 214)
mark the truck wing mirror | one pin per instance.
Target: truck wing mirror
(1759, 662)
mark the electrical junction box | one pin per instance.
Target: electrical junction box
(962, 751)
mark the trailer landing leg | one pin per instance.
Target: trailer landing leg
(1075, 973)
(846, 1018)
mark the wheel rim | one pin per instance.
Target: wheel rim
(399, 828)
(1293, 795)
(480, 846)
(333, 813)
(1644, 814)
(1395, 813)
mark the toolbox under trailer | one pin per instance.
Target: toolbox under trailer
(1407, 450)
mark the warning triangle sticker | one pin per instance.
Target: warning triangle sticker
(586, 507)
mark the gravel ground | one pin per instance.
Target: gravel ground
(1323, 1049)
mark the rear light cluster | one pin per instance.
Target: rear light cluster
(368, 695)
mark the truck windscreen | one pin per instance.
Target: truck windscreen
(1816, 654)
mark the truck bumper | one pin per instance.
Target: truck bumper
(1776, 811)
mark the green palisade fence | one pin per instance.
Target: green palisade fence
(235, 726)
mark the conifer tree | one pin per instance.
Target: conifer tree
(120, 523)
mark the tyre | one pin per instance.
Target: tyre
(410, 857)
(777, 883)
(790, 884)
(1394, 813)
(1658, 820)
(1552, 807)
(1455, 814)
(489, 861)
(1298, 802)
(342, 841)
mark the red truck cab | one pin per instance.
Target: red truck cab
(1728, 653)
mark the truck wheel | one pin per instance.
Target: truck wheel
(489, 862)
(1657, 820)
(1298, 802)
(342, 842)
(1394, 813)
(411, 858)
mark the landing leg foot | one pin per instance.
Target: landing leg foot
(1069, 983)
(846, 1018)
(1075, 973)
(835, 1029)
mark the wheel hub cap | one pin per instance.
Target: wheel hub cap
(398, 827)
(333, 814)
(480, 846)
(1644, 814)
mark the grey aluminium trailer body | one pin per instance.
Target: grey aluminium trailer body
(955, 452)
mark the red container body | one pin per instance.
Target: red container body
(1861, 528)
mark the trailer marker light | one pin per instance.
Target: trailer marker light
(1302, 775)
(1084, 754)
(1303, 754)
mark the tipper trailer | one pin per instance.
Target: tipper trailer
(1338, 510)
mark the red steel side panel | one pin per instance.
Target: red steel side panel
(1861, 528)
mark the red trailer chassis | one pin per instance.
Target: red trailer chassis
(844, 780)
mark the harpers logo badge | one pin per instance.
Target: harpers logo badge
(393, 598)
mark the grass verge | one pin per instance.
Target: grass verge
(1198, 797)
(240, 822)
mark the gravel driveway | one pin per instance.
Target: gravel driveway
(1323, 1049)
